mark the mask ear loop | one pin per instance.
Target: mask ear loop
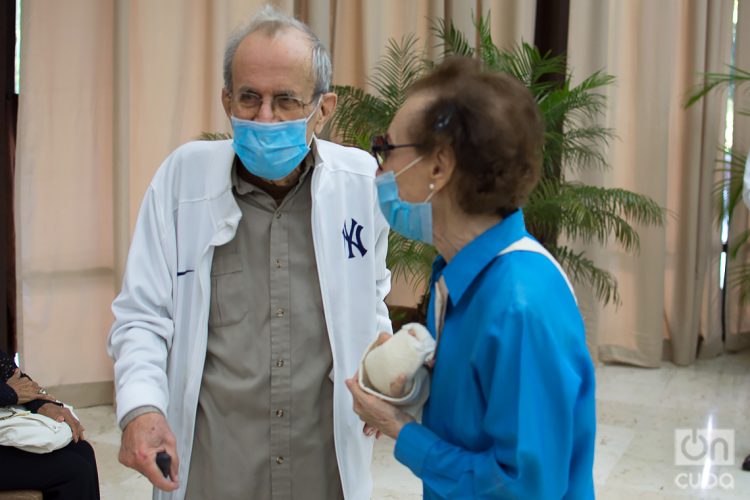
(309, 117)
(315, 108)
(409, 165)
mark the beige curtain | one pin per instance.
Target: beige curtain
(64, 190)
(363, 27)
(657, 51)
(108, 89)
(738, 316)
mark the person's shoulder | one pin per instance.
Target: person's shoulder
(196, 162)
(523, 293)
(346, 158)
(527, 281)
(202, 152)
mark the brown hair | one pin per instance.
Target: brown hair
(494, 127)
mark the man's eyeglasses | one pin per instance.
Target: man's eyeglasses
(380, 147)
(284, 106)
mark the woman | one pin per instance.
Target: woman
(511, 410)
(67, 473)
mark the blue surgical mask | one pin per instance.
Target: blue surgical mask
(412, 220)
(271, 150)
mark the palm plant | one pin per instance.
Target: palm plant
(727, 190)
(559, 209)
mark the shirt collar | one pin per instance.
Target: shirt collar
(460, 272)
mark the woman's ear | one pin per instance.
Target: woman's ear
(443, 166)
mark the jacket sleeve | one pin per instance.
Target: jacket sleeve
(383, 274)
(141, 336)
(531, 392)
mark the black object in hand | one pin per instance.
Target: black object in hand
(163, 461)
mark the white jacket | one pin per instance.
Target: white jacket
(158, 339)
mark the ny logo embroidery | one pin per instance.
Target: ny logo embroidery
(353, 238)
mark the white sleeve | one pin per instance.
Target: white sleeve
(141, 336)
(383, 283)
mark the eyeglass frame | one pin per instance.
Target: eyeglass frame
(274, 106)
(385, 148)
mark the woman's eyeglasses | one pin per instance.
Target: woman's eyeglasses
(380, 147)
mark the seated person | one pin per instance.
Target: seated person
(67, 473)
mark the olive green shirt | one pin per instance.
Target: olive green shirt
(264, 425)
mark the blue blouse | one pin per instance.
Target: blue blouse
(511, 411)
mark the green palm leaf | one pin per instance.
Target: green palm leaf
(735, 76)
(573, 142)
(528, 65)
(591, 213)
(582, 270)
(410, 259)
(488, 51)
(452, 41)
(359, 115)
(397, 69)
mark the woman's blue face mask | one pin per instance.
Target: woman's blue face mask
(271, 150)
(411, 220)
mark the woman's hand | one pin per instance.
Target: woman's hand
(376, 413)
(62, 414)
(26, 389)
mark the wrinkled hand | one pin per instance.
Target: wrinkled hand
(376, 413)
(26, 389)
(62, 414)
(369, 431)
(142, 439)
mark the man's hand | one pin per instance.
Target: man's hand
(142, 439)
(62, 414)
(26, 389)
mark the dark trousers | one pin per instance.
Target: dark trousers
(65, 474)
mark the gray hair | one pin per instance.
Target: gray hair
(273, 21)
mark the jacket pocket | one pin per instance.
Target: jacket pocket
(229, 302)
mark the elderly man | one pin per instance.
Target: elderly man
(255, 279)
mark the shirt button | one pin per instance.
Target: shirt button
(279, 313)
(279, 460)
(278, 264)
(278, 215)
(279, 413)
(279, 363)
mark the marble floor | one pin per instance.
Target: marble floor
(641, 414)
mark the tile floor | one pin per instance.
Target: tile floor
(639, 412)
